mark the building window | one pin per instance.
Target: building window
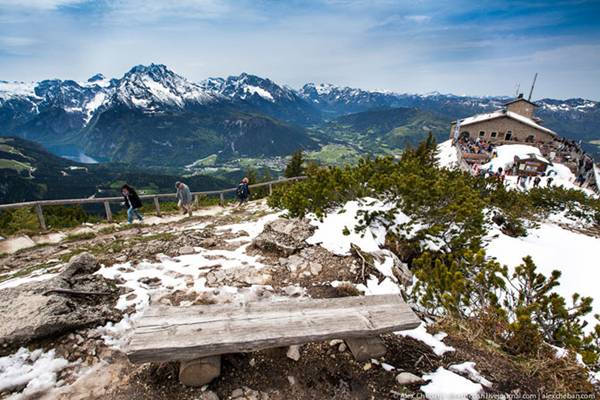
(508, 135)
(464, 135)
(500, 135)
(481, 133)
(494, 134)
(530, 139)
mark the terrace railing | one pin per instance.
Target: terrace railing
(156, 198)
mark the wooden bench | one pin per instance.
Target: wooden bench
(198, 335)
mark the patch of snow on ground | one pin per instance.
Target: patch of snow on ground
(35, 277)
(374, 287)
(447, 156)
(433, 341)
(330, 231)
(554, 248)
(446, 385)
(36, 371)
(468, 369)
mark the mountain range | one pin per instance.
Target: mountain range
(154, 117)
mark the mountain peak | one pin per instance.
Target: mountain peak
(96, 78)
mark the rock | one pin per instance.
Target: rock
(32, 311)
(315, 268)
(342, 347)
(208, 243)
(291, 380)
(252, 362)
(237, 393)
(293, 352)
(367, 366)
(407, 378)
(293, 291)
(209, 395)
(199, 372)
(121, 259)
(366, 348)
(284, 236)
(153, 282)
(186, 250)
(399, 268)
(335, 342)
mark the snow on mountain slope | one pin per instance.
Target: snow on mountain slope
(17, 89)
(155, 85)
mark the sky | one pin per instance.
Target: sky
(420, 46)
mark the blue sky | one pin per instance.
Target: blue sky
(451, 46)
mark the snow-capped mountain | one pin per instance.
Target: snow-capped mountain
(253, 93)
(155, 87)
(154, 101)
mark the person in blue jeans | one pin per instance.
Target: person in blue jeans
(132, 202)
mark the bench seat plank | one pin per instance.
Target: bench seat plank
(166, 333)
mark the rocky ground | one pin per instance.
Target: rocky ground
(90, 305)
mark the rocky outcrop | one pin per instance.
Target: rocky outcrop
(74, 299)
(284, 236)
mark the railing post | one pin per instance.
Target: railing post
(109, 217)
(157, 206)
(40, 216)
(270, 189)
(196, 200)
(222, 199)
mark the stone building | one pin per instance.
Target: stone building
(516, 122)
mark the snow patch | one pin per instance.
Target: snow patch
(35, 371)
(554, 248)
(433, 341)
(446, 385)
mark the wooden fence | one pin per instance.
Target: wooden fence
(38, 205)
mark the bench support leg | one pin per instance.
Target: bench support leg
(199, 372)
(365, 348)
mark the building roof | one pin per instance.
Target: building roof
(521, 99)
(504, 113)
(533, 156)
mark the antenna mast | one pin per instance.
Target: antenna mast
(518, 86)
(532, 86)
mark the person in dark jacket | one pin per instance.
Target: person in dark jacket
(243, 191)
(132, 202)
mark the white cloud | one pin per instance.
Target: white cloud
(38, 4)
(418, 18)
(16, 41)
(153, 10)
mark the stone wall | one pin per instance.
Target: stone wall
(520, 132)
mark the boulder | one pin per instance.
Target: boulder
(366, 348)
(407, 378)
(284, 236)
(199, 372)
(74, 299)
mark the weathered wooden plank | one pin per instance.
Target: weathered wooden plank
(183, 333)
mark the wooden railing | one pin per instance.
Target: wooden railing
(38, 205)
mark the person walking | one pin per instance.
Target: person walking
(132, 202)
(184, 198)
(536, 181)
(243, 191)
